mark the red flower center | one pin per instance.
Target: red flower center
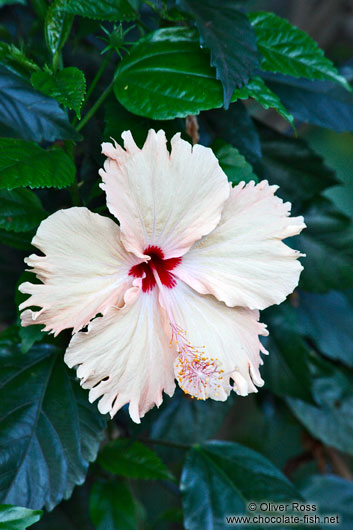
(160, 265)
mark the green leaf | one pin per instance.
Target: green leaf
(186, 420)
(220, 478)
(328, 245)
(28, 114)
(133, 460)
(21, 241)
(294, 166)
(227, 124)
(286, 369)
(57, 26)
(167, 75)
(27, 164)
(29, 336)
(328, 320)
(16, 61)
(322, 103)
(233, 163)
(113, 10)
(112, 506)
(11, 2)
(257, 90)
(330, 420)
(17, 518)
(49, 432)
(67, 86)
(333, 495)
(228, 34)
(289, 50)
(20, 210)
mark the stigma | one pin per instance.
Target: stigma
(199, 376)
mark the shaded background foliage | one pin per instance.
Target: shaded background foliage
(70, 76)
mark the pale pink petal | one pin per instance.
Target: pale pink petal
(84, 270)
(161, 199)
(244, 261)
(227, 338)
(125, 357)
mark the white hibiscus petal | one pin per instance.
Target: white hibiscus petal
(125, 357)
(168, 200)
(84, 270)
(244, 261)
(224, 341)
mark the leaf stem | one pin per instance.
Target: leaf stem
(97, 77)
(95, 107)
(166, 443)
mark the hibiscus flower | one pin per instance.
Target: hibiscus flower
(174, 292)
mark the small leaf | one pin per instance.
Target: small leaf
(49, 432)
(328, 245)
(291, 164)
(112, 506)
(17, 518)
(228, 34)
(330, 420)
(233, 163)
(328, 320)
(113, 10)
(286, 370)
(322, 103)
(20, 210)
(133, 460)
(333, 495)
(28, 114)
(57, 26)
(67, 86)
(257, 90)
(27, 164)
(220, 478)
(289, 50)
(16, 61)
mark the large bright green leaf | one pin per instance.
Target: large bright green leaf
(167, 75)
(328, 320)
(112, 506)
(328, 244)
(294, 166)
(20, 210)
(57, 25)
(67, 86)
(28, 114)
(220, 478)
(49, 432)
(233, 163)
(228, 34)
(289, 50)
(113, 10)
(27, 164)
(133, 460)
(330, 420)
(15, 60)
(17, 518)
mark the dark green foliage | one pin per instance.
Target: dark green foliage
(247, 82)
